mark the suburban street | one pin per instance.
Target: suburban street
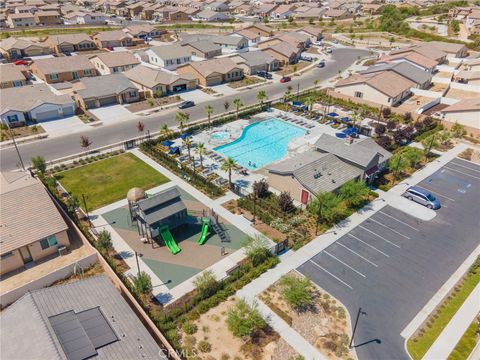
(392, 264)
(54, 148)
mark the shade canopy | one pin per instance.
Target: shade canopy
(332, 114)
(167, 143)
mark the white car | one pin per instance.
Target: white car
(329, 50)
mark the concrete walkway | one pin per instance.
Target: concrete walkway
(448, 339)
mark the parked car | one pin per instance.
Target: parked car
(321, 64)
(335, 41)
(21, 62)
(186, 104)
(265, 74)
(318, 43)
(422, 197)
(306, 58)
(285, 79)
(329, 50)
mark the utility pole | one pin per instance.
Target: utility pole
(360, 312)
(138, 265)
(12, 135)
(298, 90)
(86, 209)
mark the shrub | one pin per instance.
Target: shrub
(189, 328)
(244, 320)
(142, 283)
(206, 283)
(204, 346)
(257, 249)
(280, 225)
(260, 188)
(285, 202)
(297, 292)
(386, 112)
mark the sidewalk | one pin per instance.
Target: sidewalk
(448, 339)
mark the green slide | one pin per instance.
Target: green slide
(203, 235)
(169, 240)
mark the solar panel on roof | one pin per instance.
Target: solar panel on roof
(72, 336)
(97, 327)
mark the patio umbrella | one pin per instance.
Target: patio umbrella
(296, 103)
(341, 135)
(167, 143)
(184, 136)
(345, 119)
(174, 150)
(332, 114)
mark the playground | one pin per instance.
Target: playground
(184, 239)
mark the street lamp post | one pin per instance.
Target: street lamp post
(254, 207)
(84, 197)
(137, 254)
(15, 145)
(360, 312)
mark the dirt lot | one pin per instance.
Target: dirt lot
(289, 69)
(325, 325)
(22, 131)
(212, 328)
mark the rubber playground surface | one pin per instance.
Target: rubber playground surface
(193, 258)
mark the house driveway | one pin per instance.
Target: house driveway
(112, 114)
(198, 96)
(65, 126)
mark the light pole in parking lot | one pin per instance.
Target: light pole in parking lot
(360, 312)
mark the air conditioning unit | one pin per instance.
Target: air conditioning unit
(62, 250)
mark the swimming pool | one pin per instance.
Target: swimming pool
(220, 135)
(261, 143)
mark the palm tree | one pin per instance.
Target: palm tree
(228, 165)
(188, 144)
(165, 131)
(209, 111)
(262, 96)
(226, 105)
(315, 83)
(200, 151)
(287, 95)
(309, 101)
(355, 118)
(238, 104)
(104, 242)
(85, 142)
(182, 119)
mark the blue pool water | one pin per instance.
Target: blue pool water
(220, 135)
(261, 143)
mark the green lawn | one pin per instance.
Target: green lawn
(420, 342)
(107, 181)
(466, 344)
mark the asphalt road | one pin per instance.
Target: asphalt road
(58, 147)
(392, 264)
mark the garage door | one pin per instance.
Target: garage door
(47, 115)
(91, 104)
(180, 87)
(214, 80)
(68, 111)
(108, 101)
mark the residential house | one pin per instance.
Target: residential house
(468, 77)
(315, 34)
(114, 62)
(466, 113)
(168, 56)
(84, 18)
(425, 49)
(422, 79)
(264, 10)
(112, 39)
(372, 9)
(284, 53)
(231, 43)
(69, 43)
(252, 37)
(20, 20)
(156, 82)
(311, 173)
(260, 29)
(48, 17)
(387, 88)
(336, 14)
(283, 11)
(13, 48)
(12, 76)
(105, 90)
(174, 14)
(61, 69)
(418, 60)
(144, 31)
(33, 102)
(219, 6)
(203, 49)
(134, 9)
(452, 49)
(254, 61)
(87, 318)
(210, 15)
(473, 64)
(308, 13)
(32, 226)
(213, 71)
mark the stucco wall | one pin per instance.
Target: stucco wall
(286, 183)
(470, 119)
(11, 262)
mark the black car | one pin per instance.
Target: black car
(265, 74)
(186, 104)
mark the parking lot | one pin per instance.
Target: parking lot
(392, 264)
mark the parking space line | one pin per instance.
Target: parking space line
(340, 261)
(460, 172)
(400, 221)
(355, 253)
(388, 241)
(435, 191)
(389, 228)
(466, 167)
(467, 162)
(371, 246)
(332, 275)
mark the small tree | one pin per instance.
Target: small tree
(391, 125)
(200, 150)
(384, 141)
(228, 166)
(429, 143)
(165, 131)
(326, 207)
(245, 321)
(386, 112)
(206, 283)
(260, 188)
(72, 204)
(397, 164)
(140, 127)
(182, 119)
(104, 242)
(380, 129)
(413, 156)
(158, 93)
(188, 144)
(257, 249)
(354, 192)
(209, 112)
(297, 292)
(39, 164)
(407, 117)
(261, 97)
(226, 105)
(238, 105)
(85, 142)
(458, 130)
(142, 283)
(285, 202)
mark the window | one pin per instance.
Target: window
(53, 76)
(6, 255)
(17, 83)
(12, 118)
(358, 94)
(48, 242)
(133, 93)
(115, 69)
(87, 72)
